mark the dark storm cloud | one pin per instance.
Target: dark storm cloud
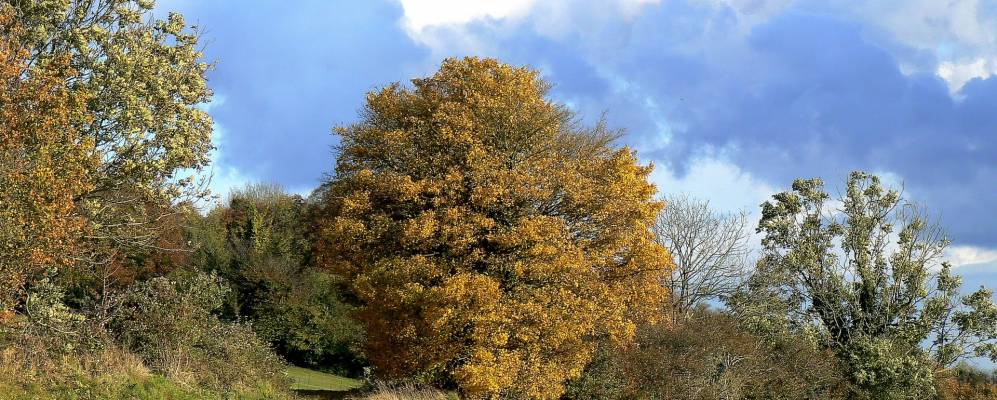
(804, 92)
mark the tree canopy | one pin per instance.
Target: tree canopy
(45, 164)
(488, 236)
(870, 275)
(144, 82)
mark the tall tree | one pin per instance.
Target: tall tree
(45, 164)
(869, 274)
(710, 251)
(489, 237)
(146, 78)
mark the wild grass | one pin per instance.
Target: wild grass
(406, 392)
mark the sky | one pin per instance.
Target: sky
(730, 99)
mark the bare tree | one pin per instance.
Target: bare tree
(709, 249)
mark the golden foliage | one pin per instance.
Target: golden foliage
(44, 164)
(488, 236)
(966, 383)
(143, 77)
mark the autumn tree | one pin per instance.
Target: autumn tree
(870, 275)
(488, 236)
(965, 382)
(45, 164)
(710, 250)
(144, 80)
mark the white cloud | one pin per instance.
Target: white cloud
(441, 24)
(970, 255)
(960, 34)
(422, 14)
(956, 74)
(728, 187)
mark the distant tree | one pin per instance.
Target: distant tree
(869, 275)
(45, 164)
(488, 237)
(966, 382)
(710, 250)
(258, 243)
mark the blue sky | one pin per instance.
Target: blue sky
(730, 99)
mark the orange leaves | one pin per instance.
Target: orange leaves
(489, 240)
(44, 165)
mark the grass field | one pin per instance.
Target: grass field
(306, 379)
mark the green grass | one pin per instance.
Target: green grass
(306, 379)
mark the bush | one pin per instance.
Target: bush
(967, 383)
(169, 323)
(309, 324)
(710, 357)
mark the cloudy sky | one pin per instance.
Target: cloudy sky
(730, 99)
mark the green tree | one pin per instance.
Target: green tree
(870, 275)
(488, 237)
(258, 242)
(145, 81)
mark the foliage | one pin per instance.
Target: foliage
(258, 244)
(710, 251)
(488, 237)
(45, 164)
(169, 323)
(146, 79)
(101, 135)
(864, 274)
(36, 371)
(710, 356)
(967, 383)
(140, 82)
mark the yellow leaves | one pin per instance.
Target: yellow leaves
(489, 371)
(419, 230)
(489, 241)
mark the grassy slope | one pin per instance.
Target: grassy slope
(154, 387)
(306, 379)
(120, 387)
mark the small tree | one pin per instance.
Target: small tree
(488, 237)
(869, 275)
(170, 323)
(709, 248)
